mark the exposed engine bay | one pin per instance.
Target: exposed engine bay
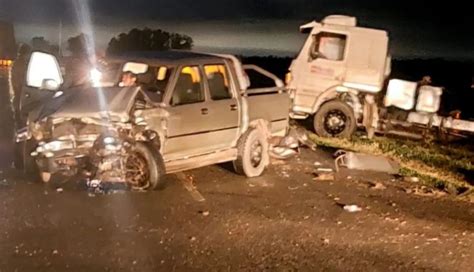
(98, 150)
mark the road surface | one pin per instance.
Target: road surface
(284, 221)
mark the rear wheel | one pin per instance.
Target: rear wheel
(145, 168)
(253, 156)
(335, 119)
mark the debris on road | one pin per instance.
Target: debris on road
(412, 179)
(323, 176)
(377, 186)
(188, 183)
(282, 153)
(283, 148)
(204, 213)
(367, 162)
(293, 188)
(59, 190)
(327, 170)
(285, 174)
(352, 208)
(317, 164)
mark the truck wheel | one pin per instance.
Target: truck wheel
(24, 162)
(335, 119)
(253, 155)
(145, 168)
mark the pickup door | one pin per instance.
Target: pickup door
(267, 99)
(204, 112)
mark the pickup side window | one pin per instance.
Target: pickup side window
(218, 81)
(155, 81)
(188, 89)
(330, 46)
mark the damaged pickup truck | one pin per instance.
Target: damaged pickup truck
(185, 110)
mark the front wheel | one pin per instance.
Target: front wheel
(335, 119)
(253, 156)
(145, 169)
(24, 162)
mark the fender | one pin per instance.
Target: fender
(333, 93)
(263, 125)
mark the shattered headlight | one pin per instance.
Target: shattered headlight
(55, 146)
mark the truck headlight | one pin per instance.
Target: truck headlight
(56, 146)
(96, 77)
(109, 140)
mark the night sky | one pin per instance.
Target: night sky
(417, 28)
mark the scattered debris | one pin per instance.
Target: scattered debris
(352, 208)
(378, 186)
(293, 188)
(59, 190)
(412, 179)
(323, 176)
(205, 213)
(291, 141)
(425, 191)
(282, 153)
(325, 241)
(285, 174)
(95, 183)
(192, 239)
(360, 161)
(317, 164)
(188, 183)
(327, 170)
(277, 162)
(55, 252)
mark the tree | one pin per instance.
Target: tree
(148, 40)
(41, 44)
(77, 45)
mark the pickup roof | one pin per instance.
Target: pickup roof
(186, 110)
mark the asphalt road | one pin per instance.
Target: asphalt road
(284, 221)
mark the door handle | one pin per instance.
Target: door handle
(233, 107)
(204, 111)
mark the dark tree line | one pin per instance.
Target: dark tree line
(148, 40)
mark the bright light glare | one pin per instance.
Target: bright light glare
(109, 140)
(96, 77)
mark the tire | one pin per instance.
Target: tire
(341, 112)
(249, 164)
(155, 168)
(24, 162)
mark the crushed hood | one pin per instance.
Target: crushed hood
(98, 103)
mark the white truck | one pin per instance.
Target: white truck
(340, 76)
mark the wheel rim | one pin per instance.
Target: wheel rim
(335, 122)
(256, 153)
(137, 172)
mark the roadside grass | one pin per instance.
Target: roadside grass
(445, 167)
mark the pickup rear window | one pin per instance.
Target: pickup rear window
(218, 81)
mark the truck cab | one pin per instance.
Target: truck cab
(338, 64)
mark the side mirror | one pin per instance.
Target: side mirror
(50, 85)
(43, 70)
